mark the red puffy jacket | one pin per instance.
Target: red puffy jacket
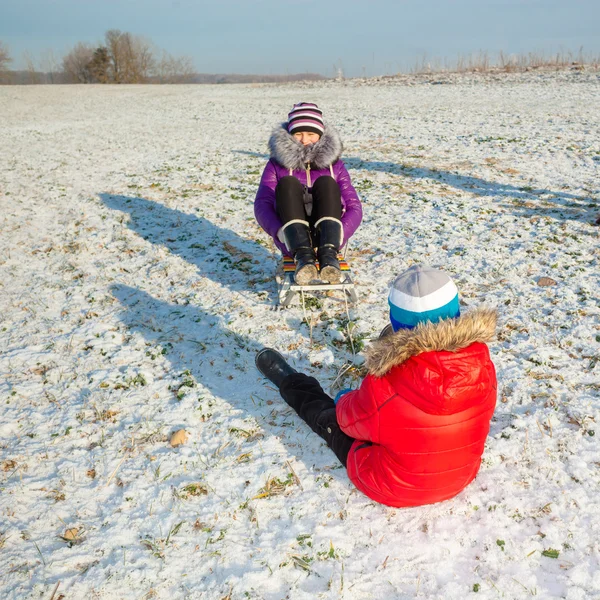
(422, 414)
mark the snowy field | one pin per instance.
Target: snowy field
(135, 289)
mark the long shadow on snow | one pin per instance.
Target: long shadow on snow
(562, 205)
(218, 253)
(222, 361)
(253, 154)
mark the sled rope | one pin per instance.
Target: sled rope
(343, 370)
(309, 323)
(304, 307)
(348, 324)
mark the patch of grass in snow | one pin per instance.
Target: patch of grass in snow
(193, 490)
(249, 434)
(155, 352)
(304, 559)
(363, 185)
(353, 341)
(158, 546)
(313, 303)
(324, 480)
(204, 416)
(502, 139)
(104, 414)
(56, 495)
(275, 486)
(187, 381)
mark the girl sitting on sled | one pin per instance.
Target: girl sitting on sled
(305, 199)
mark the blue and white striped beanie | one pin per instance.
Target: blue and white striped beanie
(422, 294)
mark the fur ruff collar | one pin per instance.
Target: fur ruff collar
(449, 335)
(290, 153)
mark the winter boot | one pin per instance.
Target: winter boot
(299, 243)
(329, 233)
(273, 366)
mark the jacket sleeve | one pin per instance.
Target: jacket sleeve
(264, 203)
(358, 411)
(352, 217)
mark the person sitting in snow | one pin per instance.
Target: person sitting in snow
(305, 198)
(414, 431)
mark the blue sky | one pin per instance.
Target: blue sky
(371, 37)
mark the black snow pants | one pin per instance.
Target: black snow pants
(313, 405)
(326, 200)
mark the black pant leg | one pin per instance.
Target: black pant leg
(305, 395)
(289, 199)
(327, 198)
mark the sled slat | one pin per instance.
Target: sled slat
(288, 289)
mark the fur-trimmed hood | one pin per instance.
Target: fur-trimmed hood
(449, 335)
(290, 153)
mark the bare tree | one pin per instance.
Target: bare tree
(114, 48)
(141, 59)
(185, 69)
(33, 75)
(174, 69)
(76, 64)
(5, 58)
(131, 58)
(49, 66)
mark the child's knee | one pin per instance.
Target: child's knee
(325, 182)
(289, 182)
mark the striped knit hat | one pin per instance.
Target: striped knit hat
(422, 294)
(305, 116)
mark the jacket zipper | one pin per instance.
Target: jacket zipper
(308, 181)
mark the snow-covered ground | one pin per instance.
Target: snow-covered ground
(135, 288)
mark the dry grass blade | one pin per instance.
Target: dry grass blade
(274, 487)
(296, 478)
(55, 590)
(300, 562)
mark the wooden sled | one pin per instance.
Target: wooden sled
(288, 289)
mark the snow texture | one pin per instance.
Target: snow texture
(136, 287)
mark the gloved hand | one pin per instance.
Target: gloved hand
(341, 393)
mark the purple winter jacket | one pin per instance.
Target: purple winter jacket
(324, 156)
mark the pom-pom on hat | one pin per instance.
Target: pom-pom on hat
(305, 116)
(422, 294)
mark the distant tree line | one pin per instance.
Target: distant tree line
(125, 58)
(121, 58)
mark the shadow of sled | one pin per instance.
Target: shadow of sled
(289, 290)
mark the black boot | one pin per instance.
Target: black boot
(305, 395)
(330, 238)
(273, 366)
(299, 243)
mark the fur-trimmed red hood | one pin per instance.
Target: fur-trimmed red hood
(450, 335)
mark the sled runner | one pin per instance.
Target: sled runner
(288, 289)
